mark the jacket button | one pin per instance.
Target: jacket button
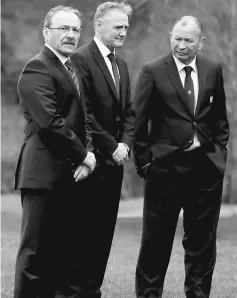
(118, 118)
(194, 123)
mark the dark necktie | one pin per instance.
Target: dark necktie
(115, 71)
(188, 86)
(72, 72)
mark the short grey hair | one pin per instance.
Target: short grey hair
(185, 19)
(104, 8)
(54, 10)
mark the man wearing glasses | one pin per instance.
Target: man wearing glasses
(54, 159)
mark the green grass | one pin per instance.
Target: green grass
(119, 279)
(12, 127)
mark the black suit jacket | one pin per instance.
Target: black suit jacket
(112, 118)
(55, 134)
(164, 121)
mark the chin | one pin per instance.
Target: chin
(67, 53)
(69, 49)
(118, 44)
(182, 58)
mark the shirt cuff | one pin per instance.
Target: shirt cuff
(146, 165)
(115, 151)
(124, 145)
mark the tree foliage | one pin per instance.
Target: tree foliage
(148, 38)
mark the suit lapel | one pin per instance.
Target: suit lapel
(201, 81)
(101, 63)
(63, 70)
(176, 81)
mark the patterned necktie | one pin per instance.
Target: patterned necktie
(72, 73)
(188, 86)
(115, 72)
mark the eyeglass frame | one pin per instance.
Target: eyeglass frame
(67, 29)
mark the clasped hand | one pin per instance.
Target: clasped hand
(87, 167)
(121, 154)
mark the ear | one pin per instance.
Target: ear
(45, 33)
(99, 25)
(170, 36)
(201, 42)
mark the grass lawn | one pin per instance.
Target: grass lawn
(119, 280)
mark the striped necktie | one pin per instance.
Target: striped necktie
(72, 73)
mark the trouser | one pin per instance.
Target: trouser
(37, 258)
(103, 191)
(188, 181)
(50, 254)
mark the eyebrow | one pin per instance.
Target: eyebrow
(121, 25)
(187, 37)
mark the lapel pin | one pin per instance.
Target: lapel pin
(211, 99)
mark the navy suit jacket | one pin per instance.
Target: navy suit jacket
(112, 118)
(164, 120)
(55, 134)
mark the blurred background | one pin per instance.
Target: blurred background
(148, 38)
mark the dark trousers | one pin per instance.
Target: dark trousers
(49, 260)
(66, 236)
(102, 193)
(188, 181)
(36, 259)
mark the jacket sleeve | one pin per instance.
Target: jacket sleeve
(142, 102)
(129, 118)
(37, 93)
(221, 124)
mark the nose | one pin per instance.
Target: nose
(182, 45)
(71, 33)
(123, 32)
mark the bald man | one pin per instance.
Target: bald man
(182, 158)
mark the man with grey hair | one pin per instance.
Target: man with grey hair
(54, 160)
(111, 116)
(182, 159)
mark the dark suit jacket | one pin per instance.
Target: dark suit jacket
(55, 133)
(112, 118)
(165, 123)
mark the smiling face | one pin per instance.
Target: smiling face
(186, 40)
(112, 29)
(63, 42)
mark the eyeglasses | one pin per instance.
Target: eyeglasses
(66, 29)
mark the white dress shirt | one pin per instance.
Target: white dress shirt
(105, 52)
(194, 75)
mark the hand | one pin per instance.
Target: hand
(90, 161)
(121, 154)
(81, 173)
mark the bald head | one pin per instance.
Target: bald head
(187, 21)
(186, 38)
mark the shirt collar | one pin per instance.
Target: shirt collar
(103, 49)
(180, 65)
(61, 57)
